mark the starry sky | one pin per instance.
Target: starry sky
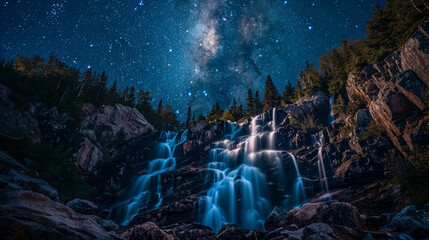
(186, 52)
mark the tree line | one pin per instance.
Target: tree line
(60, 85)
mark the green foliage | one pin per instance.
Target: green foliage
(372, 131)
(390, 28)
(227, 116)
(356, 102)
(52, 164)
(310, 81)
(415, 180)
(215, 114)
(288, 94)
(345, 130)
(308, 125)
(271, 96)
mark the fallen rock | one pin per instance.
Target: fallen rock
(29, 215)
(148, 231)
(274, 219)
(410, 219)
(337, 213)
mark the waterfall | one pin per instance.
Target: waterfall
(298, 189)
(239, 193)
(331, 119)
(146, 191)
(321, 167)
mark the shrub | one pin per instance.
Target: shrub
(372, 131)
(52, 164)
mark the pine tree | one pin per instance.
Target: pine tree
(160, 108)
(311, 80)
(234, 106)
(215, 114)
(288, 94)
(258, 105)
(193, 121)
(201, 117)
(188, 118)
(271, 96)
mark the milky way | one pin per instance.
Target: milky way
(186, 52)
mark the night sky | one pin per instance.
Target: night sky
(184, 51)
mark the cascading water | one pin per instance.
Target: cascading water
(324, 186)
(239, 193)
(298, 190)
(146, 192)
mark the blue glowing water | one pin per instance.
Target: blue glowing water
(239, 193)
(146, 191)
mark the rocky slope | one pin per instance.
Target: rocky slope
(116, 145)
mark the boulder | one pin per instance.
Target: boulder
(88, 156)
(316, 106)
(148, 231)
(228, 232)
(29, 215)
(83, 206)
(13, 180)
(274, 219)
(192, 231)
(115, 121)
(410, 219)
(337, 213)
(414, 53)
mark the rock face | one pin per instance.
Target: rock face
(394, 90)
(29, 215)
(148, 230)
(316, 106)
(112, 121)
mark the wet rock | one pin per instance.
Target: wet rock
(30, 215)
(115, 121)
(148, 231)
(274, 219)
(338, 213)
(410, 219)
